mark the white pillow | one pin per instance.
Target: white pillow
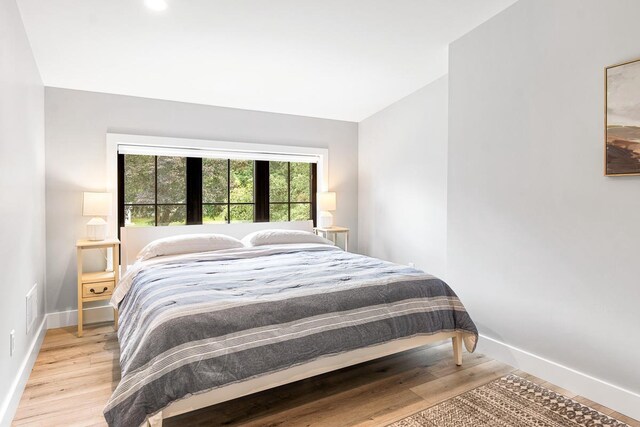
(188, 243)
(277, 237)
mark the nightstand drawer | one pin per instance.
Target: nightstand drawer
(98, 289)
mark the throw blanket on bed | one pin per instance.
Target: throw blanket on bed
(195, 322)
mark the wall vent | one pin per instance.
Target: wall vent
(32, 307)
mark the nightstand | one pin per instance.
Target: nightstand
(99, 285)
(331, 233)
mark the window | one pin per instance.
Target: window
(172, 190)
(290, 195)
(227, 191)
(154, 191)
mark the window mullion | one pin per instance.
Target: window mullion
(314, 192)
(155, 191)
(261, 191)
(288, 191)
(194, 190)
(228, 191)
(121, 190)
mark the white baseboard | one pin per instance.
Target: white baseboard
(14, 393)
(63, 319)
(617, 398)
(52, 320)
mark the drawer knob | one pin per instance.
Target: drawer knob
(93, 291)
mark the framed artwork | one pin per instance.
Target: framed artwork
(622, 119)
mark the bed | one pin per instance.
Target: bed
(202, 328)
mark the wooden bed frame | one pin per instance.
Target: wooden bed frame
(300, 372)
(134, 239)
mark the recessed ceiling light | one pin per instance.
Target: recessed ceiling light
(158, 5)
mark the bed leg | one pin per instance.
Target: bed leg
(155, 421)
(457, 349)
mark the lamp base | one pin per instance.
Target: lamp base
(97, 229)
(325, 220)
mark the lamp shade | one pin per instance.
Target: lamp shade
(96, 204)
(327, 201)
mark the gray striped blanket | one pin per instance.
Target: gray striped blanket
(192, 323)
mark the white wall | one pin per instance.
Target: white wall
(22, 224)
(402, 194)
(543, 249)
(76, 127)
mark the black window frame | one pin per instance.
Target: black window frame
(121, 201)
(194, 199)
(288, 202)
(229, 203)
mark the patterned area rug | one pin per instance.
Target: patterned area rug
(510, 401)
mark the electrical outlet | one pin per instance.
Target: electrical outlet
(12, 342)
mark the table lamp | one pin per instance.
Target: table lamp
(96, 205)
(326, 203)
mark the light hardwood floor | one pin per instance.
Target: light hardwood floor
(73, 378)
